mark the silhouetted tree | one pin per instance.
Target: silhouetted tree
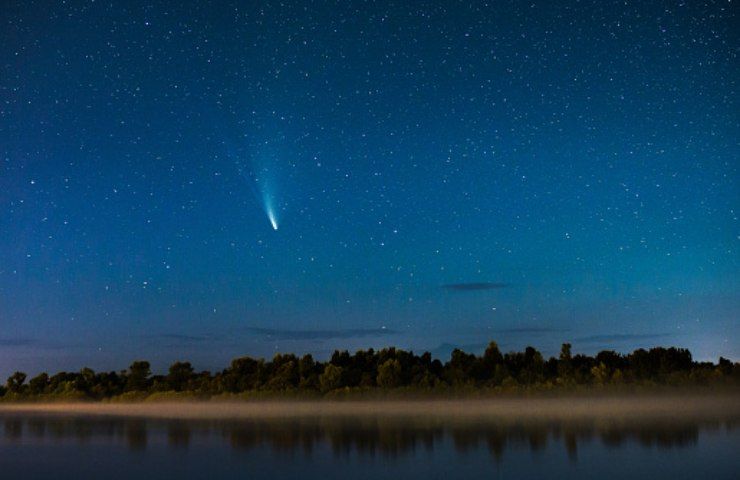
(565, 362)
(391, 368)
(15, 382)
(285, 372)
(37, 385)
(309, 374)
(331, 378)
(389, 374)
(179, 375)
(85, 380)
(459, 367)
(492, 362)
(138, 376)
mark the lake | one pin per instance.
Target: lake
(53, 445)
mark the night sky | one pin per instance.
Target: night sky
(439, 173)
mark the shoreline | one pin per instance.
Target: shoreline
(726, 405)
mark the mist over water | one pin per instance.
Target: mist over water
(385, 444)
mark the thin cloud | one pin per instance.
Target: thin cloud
(621, 337)
(183, 338)
(320, 334)
(529, 330)
(16, 342)
(474, 286)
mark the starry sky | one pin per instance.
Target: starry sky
(440, 174)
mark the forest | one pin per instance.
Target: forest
(386, 370)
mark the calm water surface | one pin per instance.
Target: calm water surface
(48, 446)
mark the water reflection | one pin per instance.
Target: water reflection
(386, 437)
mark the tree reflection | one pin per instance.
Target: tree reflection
(372, 436)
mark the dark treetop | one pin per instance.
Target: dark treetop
(368, 371)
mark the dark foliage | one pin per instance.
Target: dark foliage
(386, 369)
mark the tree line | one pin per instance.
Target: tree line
(386, 369)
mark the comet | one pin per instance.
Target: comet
(261, 169)
(271, 216)
(268, 205)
